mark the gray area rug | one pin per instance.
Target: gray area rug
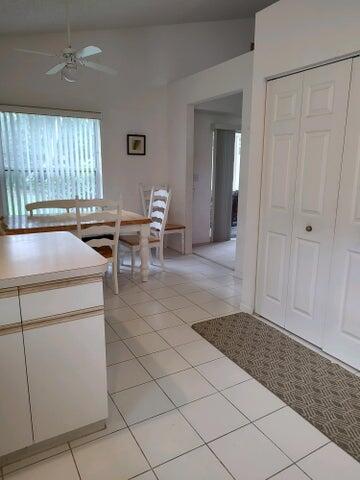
(322, 392)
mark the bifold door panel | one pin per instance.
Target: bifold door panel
(342, 331)
(321, 142)
(279, 175)
(306, 116)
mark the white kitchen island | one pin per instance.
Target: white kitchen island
(52, 341)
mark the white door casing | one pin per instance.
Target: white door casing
(342, 329)
(283, 110)
(321, 142)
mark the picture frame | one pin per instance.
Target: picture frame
(136, 144)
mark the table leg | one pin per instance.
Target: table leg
(144, 251)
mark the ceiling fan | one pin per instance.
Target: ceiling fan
(71, 59)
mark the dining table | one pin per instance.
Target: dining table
(131, 223)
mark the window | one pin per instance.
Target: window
(236, 171)
(45, 157)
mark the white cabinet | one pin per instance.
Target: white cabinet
(66, 374)
(15, 420)
(52, 361)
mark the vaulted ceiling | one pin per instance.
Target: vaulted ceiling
(30, 16)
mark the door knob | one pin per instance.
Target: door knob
(308, 228)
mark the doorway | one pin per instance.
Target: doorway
(217, 147)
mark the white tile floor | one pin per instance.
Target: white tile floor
(178, 408)
(222, 253)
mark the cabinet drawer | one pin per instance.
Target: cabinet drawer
(60, 297)
(9, 307)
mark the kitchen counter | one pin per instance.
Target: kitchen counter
(27, 259)
(52, 342)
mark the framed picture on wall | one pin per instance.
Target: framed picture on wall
(136, 144)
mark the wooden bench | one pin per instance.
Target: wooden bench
(173, 228)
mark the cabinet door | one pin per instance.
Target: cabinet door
(342, 328)
(15, 420)
(277, 196)
(67, 375)
(321, 142)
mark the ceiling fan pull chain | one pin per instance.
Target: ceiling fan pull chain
(68, 23)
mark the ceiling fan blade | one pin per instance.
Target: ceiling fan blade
(88, 51)
(36, 52)
(101, 68)
(56, 69)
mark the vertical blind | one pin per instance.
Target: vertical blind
(46, 157)
(237, 155)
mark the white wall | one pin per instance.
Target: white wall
(229, 77)
(290, 35)
(135, 100)
(203, 131)
(231, 104)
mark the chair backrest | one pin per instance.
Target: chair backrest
(146, 193)
(67, 205)
(103, 223)
(159, 209)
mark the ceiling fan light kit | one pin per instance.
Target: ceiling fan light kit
(71, 59)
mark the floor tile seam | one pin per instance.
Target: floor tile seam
(110, 433)
(32, 463)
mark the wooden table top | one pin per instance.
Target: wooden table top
(17, 224)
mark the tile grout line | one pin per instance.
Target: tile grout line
(293, 462)
(202, 289)
(126, 427)
(73, 457)
(253, 422)
(187, 421)
(170, 347)
(36, 462)
(133, 436)
(191, 426)
(219, 391)
(155, 380)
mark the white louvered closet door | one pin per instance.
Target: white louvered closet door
(342, 330)
(283, 109)
(321, 142)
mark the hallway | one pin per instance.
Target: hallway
(222, 253)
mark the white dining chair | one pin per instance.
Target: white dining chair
(146, 193)
(158, 212)
(100, 229)
(66, 204)
(170, 228)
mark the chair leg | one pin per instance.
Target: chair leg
(183, 242)
(122, 257)
(132, 261)
(119, 260)
(152, 257)
(161, 255)
(115, 277)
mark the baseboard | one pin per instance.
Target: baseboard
(40, 447)
(246, 308)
